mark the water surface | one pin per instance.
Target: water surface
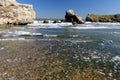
(60, 51)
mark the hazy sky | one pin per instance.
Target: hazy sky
(57, 8)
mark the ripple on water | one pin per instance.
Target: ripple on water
(2, 48)
(116, 58)
(13, 39)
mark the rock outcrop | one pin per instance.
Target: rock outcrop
(7, 2)
(46, 21)
(57, 21)
(92, 18)
(12, 12)
(103, 18)
(72, 17)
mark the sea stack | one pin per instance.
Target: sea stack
(70, 16)
(12, 12)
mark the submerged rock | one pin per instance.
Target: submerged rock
(103, 18)
(12, 12)
(72, 17)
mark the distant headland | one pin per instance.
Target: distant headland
(76, 19)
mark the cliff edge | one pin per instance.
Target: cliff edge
(12, 12)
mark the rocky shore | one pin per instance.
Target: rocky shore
(70, 16)
(103, 18)
(12, 12)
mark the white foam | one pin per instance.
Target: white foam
(116, 32)
(21, 33)
(35, 22)
(108, 23)
(94, 23)
(95, 57)
(45, 26)
(46, 35)
(36, 34)
(81, 41)
(87, 22)
(75, 36)
(13, 39)
(26, 33)
(49, 25)
(89, 27)
(116, 58)
(2, 48)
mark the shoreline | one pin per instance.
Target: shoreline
(60, 51)
(56, 19)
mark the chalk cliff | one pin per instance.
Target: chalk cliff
(12, 12)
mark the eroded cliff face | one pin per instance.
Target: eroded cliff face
(12, 12)
(7, 2)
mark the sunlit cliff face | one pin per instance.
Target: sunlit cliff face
(12, 12)
(7, 2)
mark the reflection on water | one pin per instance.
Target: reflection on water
(60, 51)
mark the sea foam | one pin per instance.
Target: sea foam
(116, 58)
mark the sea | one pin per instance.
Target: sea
(94, 45)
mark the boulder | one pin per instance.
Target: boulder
(57, 21)
(12, 12)
(46, 21)
(70, 16)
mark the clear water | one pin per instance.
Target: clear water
(89, 41)
(98, 36)
(101, 35)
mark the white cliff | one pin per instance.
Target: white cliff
(7, 2)
(12, 12)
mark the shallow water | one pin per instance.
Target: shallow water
(61, 50)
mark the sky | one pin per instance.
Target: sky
(57, 8)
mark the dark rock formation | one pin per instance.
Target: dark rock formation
(12, 12)
(57, 21)
(103, 18)
(117, 17)
(72, 17)
(46, 21)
